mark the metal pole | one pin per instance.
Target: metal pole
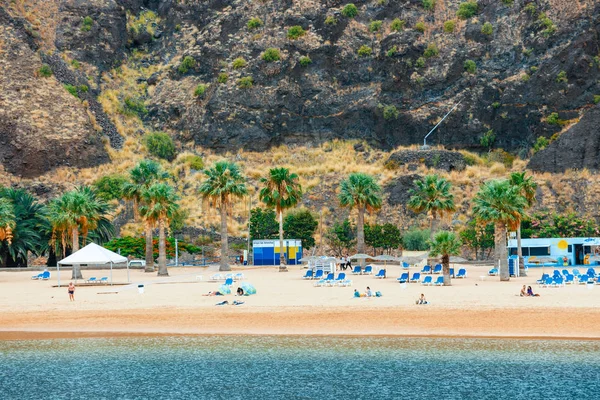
(128, 280)
(58, 272)
(438, 124)
(176, 253)
(249, 213)
(111, 273)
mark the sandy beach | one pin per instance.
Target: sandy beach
(285, 304)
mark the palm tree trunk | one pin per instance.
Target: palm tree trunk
(162, 249)
(282, 266)
(446, 269)
(360, 234)
(149, 248)
(432, 226)
(522, 271)
(76, 273)
(224, 240)
(501, 251)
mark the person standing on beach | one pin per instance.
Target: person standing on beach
(71, 291)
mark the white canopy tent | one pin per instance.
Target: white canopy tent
(93, 254)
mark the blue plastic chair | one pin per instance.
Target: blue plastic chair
(318, 274)
(228, 282)
(309, 274)
(92, 279)
(45, 275)
(428, 280)
(405, 265)
(558, 281)
(341, 277)
(368, 270)
(462, 273)
(380, 274)
(439, 281)
(329, 276)
(403, 278)
(416, 277)
(576, 272)
(591, 272)
(556, 273)
(104, 279)
(437, 269)
(565, 272)
(37, 276)
(426, 269)
(542, 279)
(569, 279)
(583, 279)
(493, 272)
(356, 270)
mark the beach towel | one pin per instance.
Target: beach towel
(377, 294)
(222, 303)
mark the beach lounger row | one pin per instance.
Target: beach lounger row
(359, 271)
(331, 281)
(234, 277)
(44, 276)
(93, 279)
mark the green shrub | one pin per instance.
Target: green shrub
(596, 98)
(420, 27)
(449, 26)
(540, 144)
(134, 106)
(109, 187)
(160, 145)
(239, 63)
(487, 28)
(562, 77)
(45, 71)
(533, 68)
(530, 9)
(397, 25)
(86, 24)
(420, 63)
(331, 20)
(254, 23)
(200, 90)
(271, 54)
(72, 89)
(553, 119)
(470, 66)
(295, 32)
(508, 2)
(416, 240)
(431, 51)
(527, 52)
(145, 22)
(245, 82)
(223, 77)
(194, 162)
(390, 112)
(546, 23)
(350, 11)
(177, 27)
(75, 64)
(467, 9)
(525, 77)
(364, 51)
(375, 26)
(392, 51)
(305, 61)
(428, 4)
(83, 88)
(487, 139)
(187, 64)
(501, 156)
(496, 104)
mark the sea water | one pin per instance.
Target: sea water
(274, 367)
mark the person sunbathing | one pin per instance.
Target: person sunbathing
(523, 291)
(530, 292)
(422, 299)
(216, 293)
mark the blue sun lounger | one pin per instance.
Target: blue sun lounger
(427, 281)
(318, 274)
(405, 265)
(368, 270)
(493, 272)
(104, 279)
(462, 273)
(37, 276)
(415, 278)
(380, 274)
(437, 269)
(308, 275)
(439, 281)
(92, 279)
(426, 269)
(356, 270)
(403, 278)
(583, 279)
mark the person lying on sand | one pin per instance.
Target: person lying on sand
(530, 292)
(217, 293)
(523, 291)
(240, 291)
(223, 303)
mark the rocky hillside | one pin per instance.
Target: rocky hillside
(385, 73)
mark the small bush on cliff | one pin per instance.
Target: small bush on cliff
(546, 23)
(305, 61)
(350, 11)
(540, 144)
(239, 63)
(200, 90)
(397, 25)
(420, 63)
(428, 4)
(133, 106)
(470, 66)
(487, 28)
(364, 51)
(562, 77)
(331, 20)
(245, 82)
(254, 23)
(86, 24)
(295, 32)
(75, 64)
(420, 27)
(45, 71)
(375, 26)
(392, 51)
(72, 89)
(467, 9)
(390, 112)
(187, 64)
(487, 139)
(160, 145)
(553, 119)
(449, 26)
(223, 77)
(193, 161)
(508, 2)
(271, 54)
(596, 98)
(431, 51)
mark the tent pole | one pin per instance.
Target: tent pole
(128, 280)
(58, 272)
(111, 273)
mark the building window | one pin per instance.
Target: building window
(570, 248)
(512, 251)
(539, 251)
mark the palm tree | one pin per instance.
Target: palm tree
(281, 191)
(7, 223)
(445, 244)
(74, 213)
(527, 189)
(361, 191)
(141, 177)
(501, 203)
(432, 195)
(224, 182)
(159, 203)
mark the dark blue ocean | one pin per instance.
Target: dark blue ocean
(259, 367)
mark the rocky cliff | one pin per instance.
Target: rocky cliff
(386, 75)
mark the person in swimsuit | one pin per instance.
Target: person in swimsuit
(530, 292)
(524, 292)
(71, 291)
